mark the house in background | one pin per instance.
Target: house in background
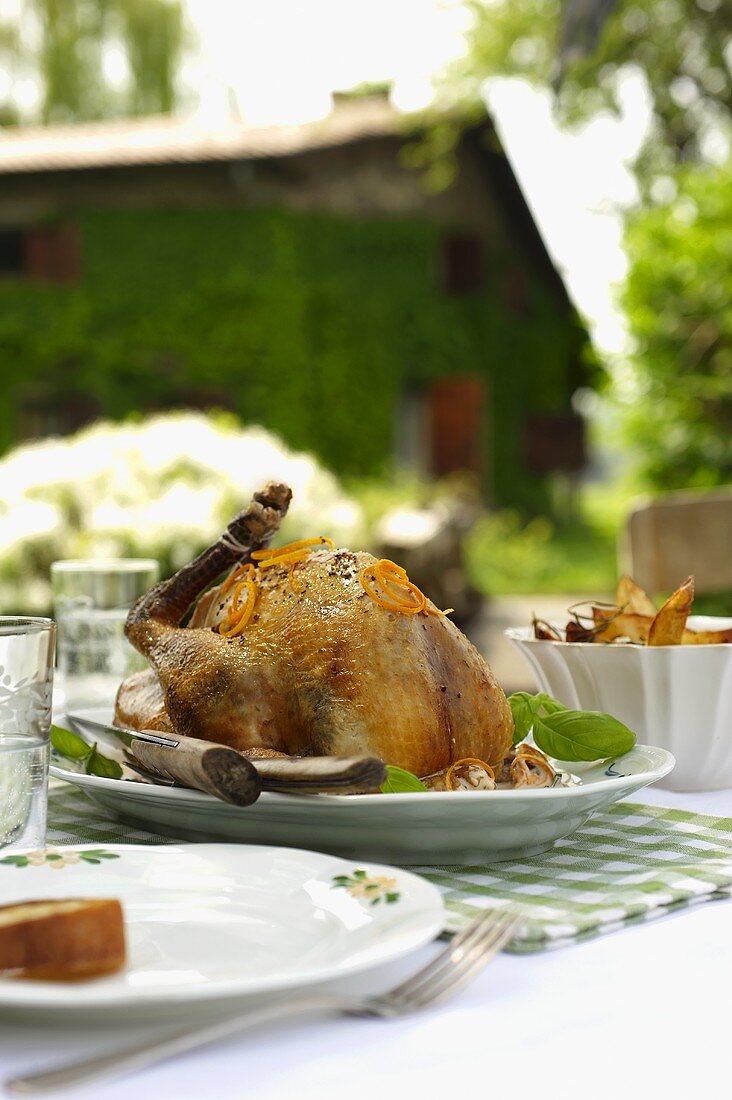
(302, 277)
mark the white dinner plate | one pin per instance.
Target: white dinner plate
(427, 828)
(213, 922)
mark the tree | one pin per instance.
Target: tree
(581, 47)
(71, 40)
(676, 387)
(678, 396)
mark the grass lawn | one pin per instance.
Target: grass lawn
(506, 556)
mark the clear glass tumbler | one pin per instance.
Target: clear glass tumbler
(91, 601)
(26, 681)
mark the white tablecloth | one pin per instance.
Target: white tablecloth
(646, 1011)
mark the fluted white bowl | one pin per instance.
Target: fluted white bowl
(676, 697)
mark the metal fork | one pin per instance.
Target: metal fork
(460, 962)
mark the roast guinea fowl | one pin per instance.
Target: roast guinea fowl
(320, 668)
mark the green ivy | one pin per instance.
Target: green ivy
(309, 324)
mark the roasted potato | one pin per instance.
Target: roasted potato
(667, 627)
(631, 597)
(621, 624)
(635, 619)
(706, 637)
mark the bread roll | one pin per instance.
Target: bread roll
(61, 940)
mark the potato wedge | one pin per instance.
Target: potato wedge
(545, 631)
(621, 624)
(634, 618)
(706, 637)
(667, 627)
(632, 598)
(575, 632)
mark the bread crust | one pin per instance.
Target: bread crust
(67, 939)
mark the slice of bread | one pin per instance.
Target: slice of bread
(61, 940)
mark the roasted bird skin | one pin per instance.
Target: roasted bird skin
(322, 669)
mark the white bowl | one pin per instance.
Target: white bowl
(676, 697)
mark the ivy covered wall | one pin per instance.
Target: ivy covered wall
(308, 324)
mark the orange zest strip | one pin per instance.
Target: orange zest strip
(451, 781)
(241, 571)
(388, 576)
(376, 595)
(301, 544)
(239, 615)
(285, 559)
(388, 566)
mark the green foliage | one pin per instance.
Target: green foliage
(678, 294)
(679, 45)
(308, 324)
(679, 394)
(66, 53)
(505, 555)
(152, 32)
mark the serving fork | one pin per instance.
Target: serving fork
(461, 961)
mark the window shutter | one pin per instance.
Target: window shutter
(462, 263)
(456, 417)
(51, 253)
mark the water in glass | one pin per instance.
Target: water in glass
(91, 601)
(23, 778)
(26, 674)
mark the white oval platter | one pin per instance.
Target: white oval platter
(424, 828)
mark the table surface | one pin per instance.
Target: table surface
(645, 1009)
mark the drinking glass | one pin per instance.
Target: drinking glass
(26, 680)
(91, 601)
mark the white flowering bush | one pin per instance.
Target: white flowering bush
(164, 488)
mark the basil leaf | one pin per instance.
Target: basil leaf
(69, 744)
(582, 735)
(524, 708)
(399, 781)
(96, 764)
(549, 705)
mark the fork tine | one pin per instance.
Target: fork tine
(481, 928)
(447, 974)
(450, 981)
(449, 955)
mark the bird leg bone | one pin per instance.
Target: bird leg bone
(168, 601)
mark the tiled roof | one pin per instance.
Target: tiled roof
(164, 140)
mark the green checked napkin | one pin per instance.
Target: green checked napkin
(625, 866)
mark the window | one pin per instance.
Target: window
(11, 252)
(462, 263)
(456, 419)
(515, 292)
(57, 412)
(554, 441)
(47, 253)
(52, 253)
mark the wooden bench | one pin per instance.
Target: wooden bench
(672, 536)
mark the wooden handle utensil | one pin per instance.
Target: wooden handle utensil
(228, 774)
(215, 769)
(308, 774)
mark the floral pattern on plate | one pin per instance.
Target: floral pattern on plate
(371, 888)
(51, 857)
